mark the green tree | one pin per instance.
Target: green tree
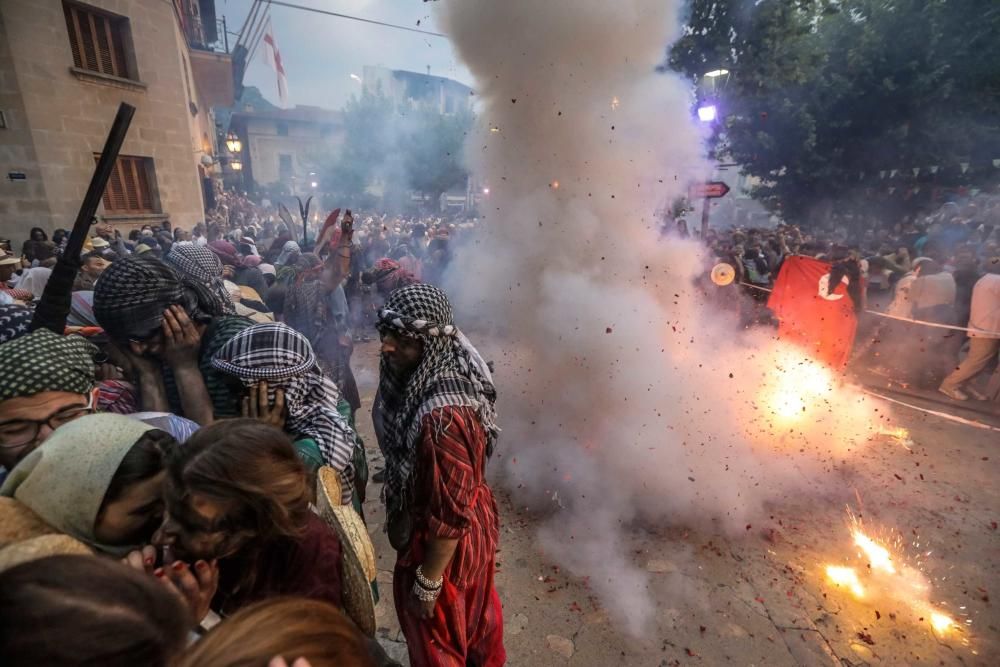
(824, 95)
(433, 152)
(346, 175)
(389, 150)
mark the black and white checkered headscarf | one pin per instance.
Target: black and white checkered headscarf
(283, 357)
(201, 265)
(133, 292)
(451, 373)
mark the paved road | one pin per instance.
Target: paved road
(763, 599)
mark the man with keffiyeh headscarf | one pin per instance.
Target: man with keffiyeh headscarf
(274, 358)
(201, 265)
(439, 428)
(170, 325)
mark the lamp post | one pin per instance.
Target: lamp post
(708, 113)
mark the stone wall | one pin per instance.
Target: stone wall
(22, 202)
(68, 114)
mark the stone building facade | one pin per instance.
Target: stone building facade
(64, 68)
(285, 145)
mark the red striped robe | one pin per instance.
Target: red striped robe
(453, 501)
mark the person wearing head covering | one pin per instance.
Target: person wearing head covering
(226, 251)
(170, 326)
(269, 272)
(46, 380)
(316, 304)
(237, 268)
(436, 404)
(276, 358)
(289, 252)
(99, 480)
(387, 275)
(201, 265)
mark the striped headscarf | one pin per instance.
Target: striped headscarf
(81, 310)
(201, 265)
(44, 361)
(284, 358)
(451, 373)
(132, 294)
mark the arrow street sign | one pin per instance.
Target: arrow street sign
(710, 190)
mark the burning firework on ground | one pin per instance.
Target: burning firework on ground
(897, 434)
(884, 574)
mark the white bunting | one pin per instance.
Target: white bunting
(996, 162)
(916, 171)
(892, 174)
(934, 169)
(881, 174)
(964, 166)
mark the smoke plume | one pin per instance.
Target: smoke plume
(624, 397)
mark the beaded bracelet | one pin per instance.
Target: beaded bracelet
(426, 583)
(423, 594)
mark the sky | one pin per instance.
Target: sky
(321, 52)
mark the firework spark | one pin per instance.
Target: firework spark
(888, 576)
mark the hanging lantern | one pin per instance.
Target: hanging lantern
(233, 143)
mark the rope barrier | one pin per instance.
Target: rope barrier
(936, 413)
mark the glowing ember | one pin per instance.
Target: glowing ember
(847, 577)
(940, 622)
(878, 556)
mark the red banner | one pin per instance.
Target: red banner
(813, 315)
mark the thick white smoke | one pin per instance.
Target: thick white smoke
(623, 397)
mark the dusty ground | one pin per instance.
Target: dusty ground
(763, 599)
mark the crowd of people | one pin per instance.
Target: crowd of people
(939, 269)
(182, 476)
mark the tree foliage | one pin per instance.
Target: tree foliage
(390, 150)
(824, 95)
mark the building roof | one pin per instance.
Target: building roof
(299, 114)
(418, 85)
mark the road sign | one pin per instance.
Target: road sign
(709, 190)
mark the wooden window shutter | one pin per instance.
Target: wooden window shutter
(96, 40)
(128, 189)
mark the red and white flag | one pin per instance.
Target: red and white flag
(812, 314)
(272, 56)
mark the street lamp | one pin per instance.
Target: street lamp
(236, 164)
(233, 143)
(716, 73)
(314, 184)
(708, 113)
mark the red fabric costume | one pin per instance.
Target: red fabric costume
(814, 315)
(452, 501)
